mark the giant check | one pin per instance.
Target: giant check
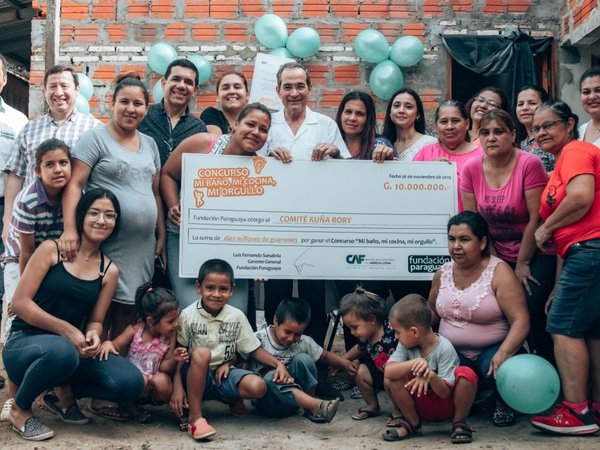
(326, 219)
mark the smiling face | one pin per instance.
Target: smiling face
(232, 94)
(354, 117)
(527, 102)
(590, 96)
(404, 112)
(250, 134)
(451, 127)
(288, 332)
(293, 90)
(464, 247)
(484, 102)
(100, 219)
(551, 133)
(179, 87)
(215, 290)
(129, 107)
(362, 329)
(167, 325)
(496, 139)
(60, 93)
(54, 170)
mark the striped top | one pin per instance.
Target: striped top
(33, 214)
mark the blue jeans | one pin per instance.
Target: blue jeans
(37, 362)
(481, 365)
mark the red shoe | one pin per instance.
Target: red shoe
(563, 420)
(595, 414)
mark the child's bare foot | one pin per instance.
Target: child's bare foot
(238, 408)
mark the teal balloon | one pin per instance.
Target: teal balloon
(204, 67)
(271, 31)
(81, 104)
(386, 78)
(281, 52)
(372, 46)
(528, 383)
(303, 42)
(407, 51)
(86, 87)
(160, 56)
(157, 92)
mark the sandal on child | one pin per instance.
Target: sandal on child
(394, 421)
(5, 414)
(109, 412)
(355, 393)
(200, 429)
(144, 416)
(325, 412)
(364, 414)
(504, 415)
(461, 433)
(412, 431)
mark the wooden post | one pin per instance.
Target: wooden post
(52, 33)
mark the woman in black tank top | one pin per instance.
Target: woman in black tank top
(60, 308)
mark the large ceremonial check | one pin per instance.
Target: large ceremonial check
(316, 219)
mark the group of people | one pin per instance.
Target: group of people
(91, 210)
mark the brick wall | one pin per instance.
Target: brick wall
(581, 22)
(103, 38)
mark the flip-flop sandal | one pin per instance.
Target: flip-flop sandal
(461, 433)
(200, 429)
(325, 412)
(144, 416)
(109, 412)
(394, 421)
(412, 431)
(364, 414)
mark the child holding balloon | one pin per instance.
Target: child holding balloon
(423, 377)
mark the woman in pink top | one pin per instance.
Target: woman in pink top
(480, 304)
(505, 186)
(452, 123)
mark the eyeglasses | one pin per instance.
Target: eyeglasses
(109, 216)
(491, 103)
(545, 126)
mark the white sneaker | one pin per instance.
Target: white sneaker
(6, 410)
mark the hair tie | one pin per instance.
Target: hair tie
(150, 289)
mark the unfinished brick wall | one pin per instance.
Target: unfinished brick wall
(103, 38)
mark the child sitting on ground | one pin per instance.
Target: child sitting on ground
(150, 344)
(285, 340)
(423, 376)
(364, 313)
(213, 332)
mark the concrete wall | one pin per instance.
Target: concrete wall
(103, 38)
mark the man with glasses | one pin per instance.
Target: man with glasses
(170, 122)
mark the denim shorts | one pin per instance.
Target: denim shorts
(228, 390)
(575, 310)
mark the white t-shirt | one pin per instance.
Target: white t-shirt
(443, 360)
(306, 344)
(12, 122)
(582, 129)
(223, 335)
(316, 128)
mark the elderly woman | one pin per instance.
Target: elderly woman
(571, 212)
(504, 185)
(480, 304)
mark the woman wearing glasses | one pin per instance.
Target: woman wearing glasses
(570, 209)
(505, 185)
(120, 158)
(589, 87)
(485, 100)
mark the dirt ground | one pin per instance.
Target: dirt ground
(255, 432)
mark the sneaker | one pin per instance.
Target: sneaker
(563, 420)
(595, 414)
(71, 415)
(355, 393)
(5, 414)
(34, 430)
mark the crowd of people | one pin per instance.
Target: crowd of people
(92, 210)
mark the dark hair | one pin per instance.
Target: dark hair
(293, 65)
(389, 128)
(561, 110)
(411, 310)
(500, 116)
(592, 72)
(3, 64)
(86, 201)
(130, 79)
(542, 94)
(215, 266)
(504, 104)
(50, 145)
(475, 221)
(364, 304)
(60, 69)
(461, 109)
(367, 137)
(153, 302)
(294, 308)
(183, 62)
(256, 106)
(232, 72)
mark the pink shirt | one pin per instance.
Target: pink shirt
(434, 151)
(147, 356)
(505, 208)
(471, 318)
